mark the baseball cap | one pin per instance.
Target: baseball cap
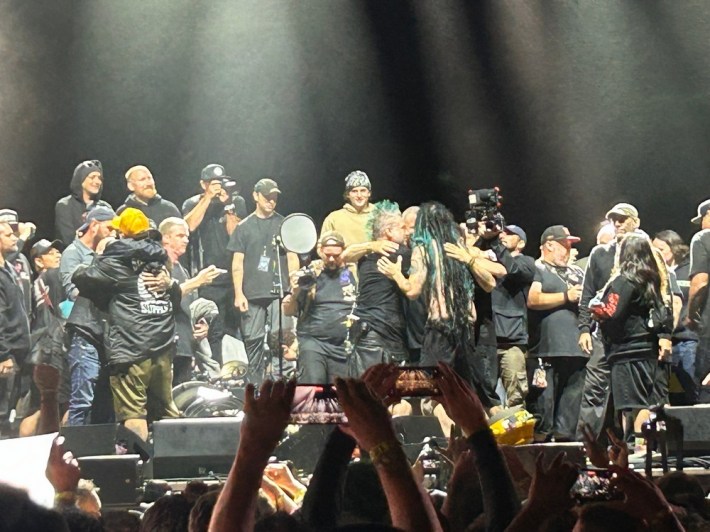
(623, 209)
(266, 186)
(703, 208)
(558, 232)
(212, 171)
(332, 238)
(42, 247)
(516, 230)
(100, 214)
(131, 222)
(9, 216)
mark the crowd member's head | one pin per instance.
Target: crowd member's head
(279, 522)
(625, 219)
(169, 513)
(555, 245)
(671, 247)
(358, 190)
(683, 490)
(46, 255)
(20, 513)
(597, 518)
(702, 217)
(201, 512)
(121, 521)
(140, 181)
(385, 222)
(330, 248)
(97, 226)
(87, 498)
(81, 521)
(606, 233)
(266, 195)
(176, 236)
(410, 221)
(514, 239)
(131, 223)
(8, 239)
(91, 176)
(364, 500)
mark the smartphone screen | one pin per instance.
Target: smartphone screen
(593, 485)
(414, 381)
(316, 404)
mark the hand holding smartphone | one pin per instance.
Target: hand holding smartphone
(316, 404)
(415, 381)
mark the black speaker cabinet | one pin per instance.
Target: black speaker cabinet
(118, 478)
(102, 440)
(189, 448)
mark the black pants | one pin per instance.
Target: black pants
(594, 409)
(476, 365)
(557, 406)
(372, 348)
(226, 322)
(254, 322)
(316, 365)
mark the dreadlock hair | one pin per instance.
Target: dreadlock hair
(637, 262)
(436, 225)
(384, 215)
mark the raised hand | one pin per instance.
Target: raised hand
(266, 414)
(460, 401)
(62, 468)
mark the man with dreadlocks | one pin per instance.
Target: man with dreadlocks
(379, 333)
(445, 270)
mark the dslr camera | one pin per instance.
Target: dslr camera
(306, 276)
(484, 206)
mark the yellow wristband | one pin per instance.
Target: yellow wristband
(381, 453)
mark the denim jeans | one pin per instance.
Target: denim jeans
(84, 369)
(683, 365)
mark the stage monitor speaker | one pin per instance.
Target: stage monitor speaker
(191, 448)
(695, 421)
(118, 478)
(102, 440)
(413, 430)
(302, 445)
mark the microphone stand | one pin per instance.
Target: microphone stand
(279, 291)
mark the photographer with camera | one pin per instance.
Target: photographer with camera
(211, 218)
(322, 296)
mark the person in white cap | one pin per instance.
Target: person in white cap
(698, 302)
(351, 220)
(625, 219)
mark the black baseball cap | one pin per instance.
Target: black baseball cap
(266, 186)
(42, 247)
(213, 171)
(516, 230)
(703, 208)
(557, 233)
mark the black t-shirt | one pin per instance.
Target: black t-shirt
(324, 318)
(553, 332)
(208, 243)
(700, 263)
(254, 238)
(380, 302)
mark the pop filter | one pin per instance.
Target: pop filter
(298, 233)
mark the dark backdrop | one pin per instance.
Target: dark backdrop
(568, 106)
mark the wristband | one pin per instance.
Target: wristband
(471, 263)
(67, 497)
(381, 454)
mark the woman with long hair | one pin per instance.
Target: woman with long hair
(676, 254)
(636, 326)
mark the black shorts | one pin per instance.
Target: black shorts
(633, 383)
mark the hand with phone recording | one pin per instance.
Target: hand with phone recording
(460, 401)
(368, 419)
(381, 379)
(266, 414)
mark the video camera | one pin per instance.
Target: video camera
(484, 206)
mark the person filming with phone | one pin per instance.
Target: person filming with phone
(322, 297)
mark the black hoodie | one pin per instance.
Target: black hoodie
(141, 323)
(69, 211)
(157, 209)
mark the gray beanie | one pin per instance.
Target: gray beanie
(358, 178)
